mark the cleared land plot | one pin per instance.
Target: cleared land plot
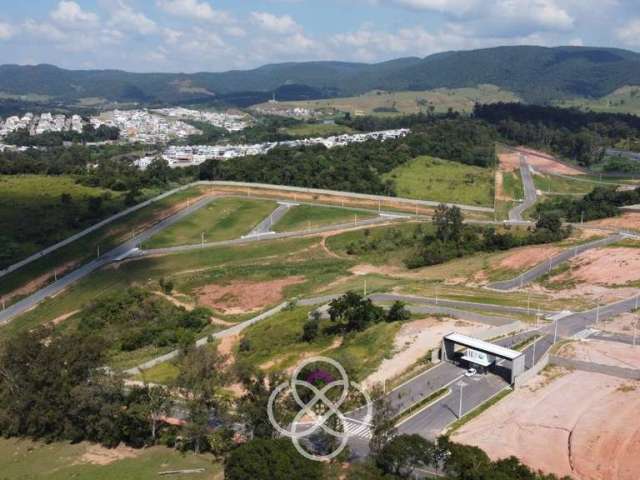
(614, 266)
(414, 341)
(602, 352)
(303, 217)
(33, 214)
(546, 163)
(29, 460)
(276, 344)
(393, 103)
(223, 219)
(427, 178)
(592, 436)
(629, 221)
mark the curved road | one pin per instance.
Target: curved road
(545, 267)
(530, 193)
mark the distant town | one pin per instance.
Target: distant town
(136, 126)
(187, 155)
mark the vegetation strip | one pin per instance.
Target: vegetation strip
(421, 405)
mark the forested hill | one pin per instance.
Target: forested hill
(537, 74)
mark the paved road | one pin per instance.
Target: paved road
(545, 267)
(441, 302)
(259, 238)
(34, 299)
(376, 198)
(87, 231)
(266, 225)
(530, 195)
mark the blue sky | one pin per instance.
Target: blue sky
(218, 35)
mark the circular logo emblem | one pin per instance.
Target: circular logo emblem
(316, 412)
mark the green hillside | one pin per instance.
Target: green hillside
(535, 74)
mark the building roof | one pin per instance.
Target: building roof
(478, 344)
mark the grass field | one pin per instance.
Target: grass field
(28, 460)
(382, 239)
(33, 216)
(578, 185)
(427, 178)
(41, 271)
(396, 103)
(223, 219)
(263, 260)
(308, 216)
(308, 130)
(623, 100)
(276, 344)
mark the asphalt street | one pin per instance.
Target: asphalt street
(56, 287)
(530, 193)
(545, 267)
(266, 225)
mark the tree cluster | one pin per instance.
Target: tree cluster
(353, 312)
(602, 202)
(134, 318)
(570, 133)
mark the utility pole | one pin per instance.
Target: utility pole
(435, 290)
(598, 314)
(528, 303)
(533, 361)
(365, 287)
(555, 334)
(202, 240)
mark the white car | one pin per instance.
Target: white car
(470, 373)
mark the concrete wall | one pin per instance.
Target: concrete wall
(532, 372)
(620, 372)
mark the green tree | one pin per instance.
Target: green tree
(404, 453)
(398, 312)
(270, 459)
(353, 312)
(383, 422)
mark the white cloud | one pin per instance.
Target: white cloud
(275, 24)
(69, 13)
(629, 34)
(6, 31)
(43, 30)
(545, 14)
(126, 18)
(457, 7)
(194, 10)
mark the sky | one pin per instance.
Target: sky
(220, 35)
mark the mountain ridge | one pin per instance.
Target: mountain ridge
(536, 74)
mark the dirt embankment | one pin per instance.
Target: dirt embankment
(629, 221)
(603, 352)
(581, 425)
(414, 340)
(607, 266)
(240, 297)
(528, 257)
(545, 163)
